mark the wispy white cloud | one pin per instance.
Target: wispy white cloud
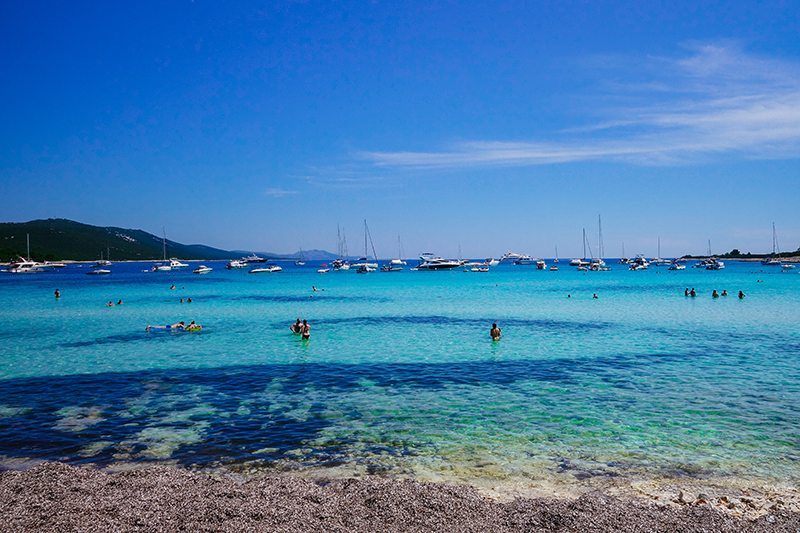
(716, 100)
(277, 192)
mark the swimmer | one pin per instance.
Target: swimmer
(188, 300)
(181, 300)
(57, 294)
(172, 288)
(313, 288)
(495, 332)
(193, 326)
(569, 296)
(119, 302)
(306, 330)
(714, 294)
(594, 296)
(692, 293)
(110, 304)
(297, 327)
(686, 291)
(724, 292)
(177, 325)
(741, 295)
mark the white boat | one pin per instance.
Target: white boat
(598, 265)
(202, 269)
(236, 263)
(52, 264)
(525, 260)
(364, 265)
(175, 263)
(98, 272)
(165, 265)
(638, 263)
(24, 266)
(490, 261)
(266, 270)
(340, 263)
(323, 268)
(301, 261)
(787, 266)
(541, 264)
(103, 262)
(429, 261)
(395, 265)
(253, 258)
(510, 257)
(773, 261)
(479, 269)
(677, 266)
(553, 268)
(715, 264)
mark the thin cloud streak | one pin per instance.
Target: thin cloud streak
(723, 102)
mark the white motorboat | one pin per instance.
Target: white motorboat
(253, 258)
(715, 264)
(395, 265)
(490, 261)
(24, 266)
(787, 266)
(525, 260)
(202, 269)
(98, 272)
(301, 260)
(510, 257)
(161, 267)
(553, 268)
(598, 265)
(52, 264)
(639, 263)
(174, 263)
(236, 263)
(366, 268)
(340, 264)
(541, 264)
(266, 270)
(323, 268)
(677, 266)
(429, 261)
(479, 269)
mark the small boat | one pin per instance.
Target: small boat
(236, 263)
(51, 264)
(266, 269)
(772, 260)
(480, 269)
(323, 268)
(98, 272)
(161, 267)
(541, 265)
(366, 268)
(490, 261)
(715, 264)
(301, 261)
(554, 268)
(165, 265)
(638, 263)
(677, 266)
(787, 266)
(174, 263)
(202, 269)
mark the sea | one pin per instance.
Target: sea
(400, 377)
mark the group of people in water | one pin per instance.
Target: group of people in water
(714, 294)
(301, 328)
(178, 326)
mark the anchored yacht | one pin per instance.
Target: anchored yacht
(429, 261)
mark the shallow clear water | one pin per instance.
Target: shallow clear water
(400, 375)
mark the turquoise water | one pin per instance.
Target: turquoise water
(400, 376)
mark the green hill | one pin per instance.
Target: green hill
(61, 239)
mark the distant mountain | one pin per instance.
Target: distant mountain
(308, 255)
(62, 239)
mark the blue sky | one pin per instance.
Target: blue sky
(510, 125)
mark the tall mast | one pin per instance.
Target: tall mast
(164, 242)
(659, 247)
(623, 249)
(584, 243)
(344, 242)
(774, 240)
(365, 237)
(709, 247)
(28, 239)
(556, 261)
(338, 240)
(600, 250)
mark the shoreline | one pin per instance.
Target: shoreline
(58, 497)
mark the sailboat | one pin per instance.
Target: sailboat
(658, 261)
(395, 265)
(598, 265)
(581, 263)
(554, 267)
(341, 263)
(300, 260)
(104, 262)
(363, 265)
(164, 266)
(624, 260)
(773, 261)
(25, 265)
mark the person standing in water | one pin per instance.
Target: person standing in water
(57, 294)
(297, 327)
(305, 332)
(495, 332)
